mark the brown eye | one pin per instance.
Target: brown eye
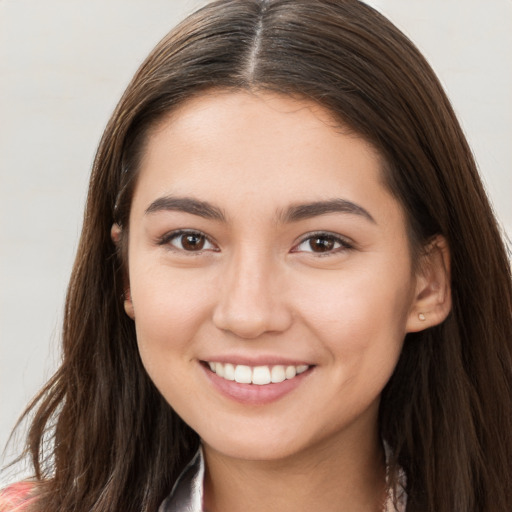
(322, 243)
(188, 241)
(192, 241)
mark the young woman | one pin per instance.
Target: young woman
(290, 291)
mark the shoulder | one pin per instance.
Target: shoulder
(17, 497)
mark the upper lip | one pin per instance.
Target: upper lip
(260, 360)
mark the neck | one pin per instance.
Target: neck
(333, 477)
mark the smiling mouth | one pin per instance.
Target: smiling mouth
(258, 375)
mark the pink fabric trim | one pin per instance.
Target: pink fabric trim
(17, 497)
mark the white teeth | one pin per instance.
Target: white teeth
(302, 368)
(259, 375)
(229, 371)
(290, 372)
(278, 374)
(243, 374)
(220, 369)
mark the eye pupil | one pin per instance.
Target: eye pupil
(192, 242)
(322, 244)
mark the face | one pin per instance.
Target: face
(270, 276)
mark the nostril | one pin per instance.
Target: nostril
(251, 321)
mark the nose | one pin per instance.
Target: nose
(252, 299)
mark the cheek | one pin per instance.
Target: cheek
(362, 293)
(359, 315)
(169, 309)
(166, 324)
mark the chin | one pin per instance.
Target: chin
(255, 444)
(255, 451)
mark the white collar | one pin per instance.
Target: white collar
(187, 493)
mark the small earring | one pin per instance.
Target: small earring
(422, 317)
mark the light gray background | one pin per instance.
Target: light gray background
(63, 66)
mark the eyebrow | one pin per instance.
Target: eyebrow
(187, 205)
(294, 213)
(314, 209)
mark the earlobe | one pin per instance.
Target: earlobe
(128, 304)
(115, 234)
(432, 301)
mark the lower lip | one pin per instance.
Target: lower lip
(253, 394)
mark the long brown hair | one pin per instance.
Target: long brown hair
(102, 437)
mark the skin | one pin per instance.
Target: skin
(258, 287)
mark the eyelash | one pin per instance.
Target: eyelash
(175, 235)
(340, 244)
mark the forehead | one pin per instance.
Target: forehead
(242, 148)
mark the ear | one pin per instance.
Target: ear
(128, 304)
(115, 234)
(432, 300)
